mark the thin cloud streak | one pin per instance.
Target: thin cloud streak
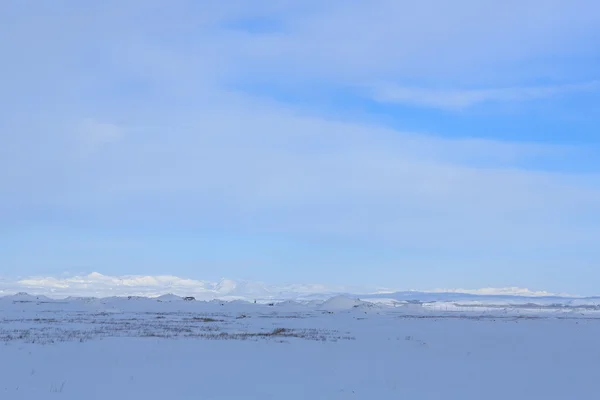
(462, 99)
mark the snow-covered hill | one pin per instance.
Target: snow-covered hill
(98, 285)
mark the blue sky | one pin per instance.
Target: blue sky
(415, 145)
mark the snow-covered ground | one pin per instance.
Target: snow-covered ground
(342, 348)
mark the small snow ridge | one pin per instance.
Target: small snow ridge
(342, 303)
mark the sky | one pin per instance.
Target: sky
(411, 145)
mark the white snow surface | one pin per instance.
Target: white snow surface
(343, 348)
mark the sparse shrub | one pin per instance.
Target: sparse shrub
(279, 332)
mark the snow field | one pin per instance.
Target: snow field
(340, 349)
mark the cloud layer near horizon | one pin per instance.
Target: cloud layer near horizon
(98, 285)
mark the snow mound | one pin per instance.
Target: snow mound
(238, 303)
(81, 300)
(342, 303)
(289, 303)
(169, 297)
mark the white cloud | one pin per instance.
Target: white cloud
(461, 99)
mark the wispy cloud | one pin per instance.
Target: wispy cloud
(461, 99)
(248, 166)
(465, 42)
(99, 132)
(91, 135)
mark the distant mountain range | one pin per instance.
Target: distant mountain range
(98, 285)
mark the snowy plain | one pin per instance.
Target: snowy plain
(340, 348)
